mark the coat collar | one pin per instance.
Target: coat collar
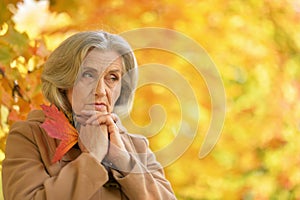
(36, 115)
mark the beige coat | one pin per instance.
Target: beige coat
(28, 173)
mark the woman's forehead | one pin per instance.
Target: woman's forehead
(100, 60)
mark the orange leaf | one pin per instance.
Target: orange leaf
(58, 126)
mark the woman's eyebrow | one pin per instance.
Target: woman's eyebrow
(108, 70)
(114, 71)
(89, 68)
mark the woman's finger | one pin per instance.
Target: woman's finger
(91, 112)
(98, 118)
(114, 117)
(81, 119)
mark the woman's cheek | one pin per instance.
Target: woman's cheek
(78, 99)
(116, 94)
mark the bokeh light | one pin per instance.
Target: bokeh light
(255, 46)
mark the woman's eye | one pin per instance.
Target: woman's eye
(87, 75)
(112, 78)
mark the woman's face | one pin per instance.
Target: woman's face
(98, 84)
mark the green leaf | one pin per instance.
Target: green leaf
(5, 55)
(18, 41)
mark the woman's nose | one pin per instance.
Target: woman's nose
(100, 88)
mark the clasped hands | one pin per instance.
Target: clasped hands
(100, 136)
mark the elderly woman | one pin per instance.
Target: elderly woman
(89, 77)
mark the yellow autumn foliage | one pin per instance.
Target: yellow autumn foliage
(254, 46)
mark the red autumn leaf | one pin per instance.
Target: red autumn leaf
(58, 126)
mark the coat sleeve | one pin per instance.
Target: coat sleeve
(146, 180)
(24, 175)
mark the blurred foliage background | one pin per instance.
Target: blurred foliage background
(255, 45)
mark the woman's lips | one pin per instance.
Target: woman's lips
(100, 107)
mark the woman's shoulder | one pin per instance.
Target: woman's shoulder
(29, 126)
(30, 138)
(129, 139)
(36, 116)
(33, 117)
